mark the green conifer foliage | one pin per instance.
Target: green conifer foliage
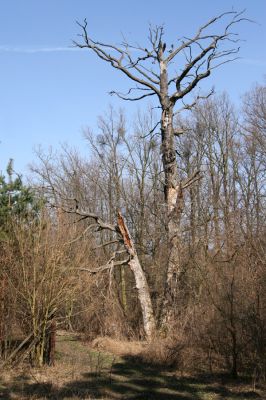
(16, 200)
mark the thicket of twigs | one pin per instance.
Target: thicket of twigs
(49, 262)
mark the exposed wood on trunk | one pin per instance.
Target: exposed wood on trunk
(174, 213)
(140, 279)
(202, 53)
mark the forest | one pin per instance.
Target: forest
(157, 237)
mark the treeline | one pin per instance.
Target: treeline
(58, 263)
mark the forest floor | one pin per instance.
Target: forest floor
(82, 372)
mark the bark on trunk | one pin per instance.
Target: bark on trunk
(140, 279)
(173, 199)
(50, 356)
(174, 207)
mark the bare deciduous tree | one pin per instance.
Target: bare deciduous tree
(150, 68)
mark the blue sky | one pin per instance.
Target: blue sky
(49, 92)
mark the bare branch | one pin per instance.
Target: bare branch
(124, 97)
(151, 131)
(83, 233)
(110, 264)
(180, 94)
(192, 179)
(107, 244)
(194, 103)
(139, 70)
(101, 49)
(198, 36)
(99, 221)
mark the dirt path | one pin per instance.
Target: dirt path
(85, 373)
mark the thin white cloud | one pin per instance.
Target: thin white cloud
(33, 50)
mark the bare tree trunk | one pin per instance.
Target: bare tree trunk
(51, 338)
(174, 207)
(140, 279)
(198, 65)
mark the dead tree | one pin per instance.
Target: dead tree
(150, 68)
(131, 259)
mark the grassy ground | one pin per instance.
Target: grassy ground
(83, 373)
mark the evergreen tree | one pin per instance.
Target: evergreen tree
(16, 199)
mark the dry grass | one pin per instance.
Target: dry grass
(115, 370)
(119, 347)
(166, 352)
